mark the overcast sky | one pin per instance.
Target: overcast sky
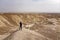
(29, 5)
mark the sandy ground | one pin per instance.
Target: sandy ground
(38, 27)
(26, 34)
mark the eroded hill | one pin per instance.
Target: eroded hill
(45, 24)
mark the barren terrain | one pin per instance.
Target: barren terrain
(35, 27)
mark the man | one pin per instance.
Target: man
(20, 28)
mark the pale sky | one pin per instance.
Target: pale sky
(30, 6)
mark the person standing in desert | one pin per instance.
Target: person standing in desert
(20, 28)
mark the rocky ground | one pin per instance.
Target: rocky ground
(35, 27)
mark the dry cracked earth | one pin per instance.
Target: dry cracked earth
(35, 27)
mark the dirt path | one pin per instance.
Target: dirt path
(27, 34)
(24, 34)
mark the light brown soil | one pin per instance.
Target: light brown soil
(47, 25)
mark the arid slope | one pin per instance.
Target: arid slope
(47, 25)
